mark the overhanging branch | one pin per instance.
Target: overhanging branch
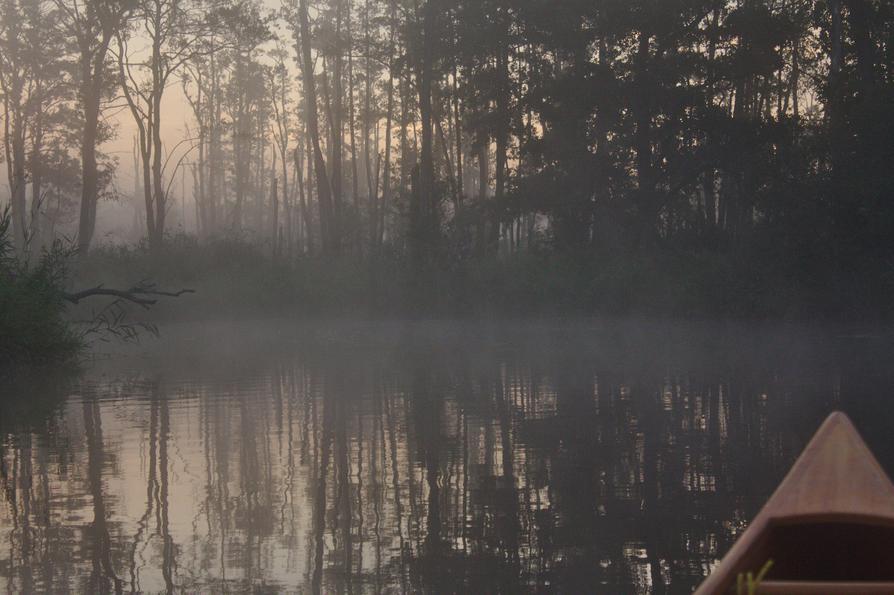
(141, 294)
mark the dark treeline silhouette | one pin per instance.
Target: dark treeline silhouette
(738, 147)
(553, 464)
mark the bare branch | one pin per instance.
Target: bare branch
(136, 294)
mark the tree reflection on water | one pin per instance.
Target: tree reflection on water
(554, 464)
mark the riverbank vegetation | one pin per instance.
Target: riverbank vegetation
(36, 322)
(33, 327)
(237, 278)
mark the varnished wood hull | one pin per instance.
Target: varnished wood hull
(828, 528)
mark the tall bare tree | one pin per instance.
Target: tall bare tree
(311, 118)
(171, 31)
(92, 25)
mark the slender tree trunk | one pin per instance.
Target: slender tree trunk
(502, 141)
(448, 160)
(309, 191)
(458, 135)
(19, 183)
(302, 202)
(201, 191)
(352, 128)
(796, 77)
(338, 134)
(709, 177)
(483, 185)
(241, 163)
(426, 224)
(287, 200)
(90, 97)
(642, 139)
(371, 190)
(405, 167)
(274, 198)
(36, 188)
(214, 149)
(91, 69)
(389, 116)
(156, 239)
(324, 195)
(840, 204)
(148, 199)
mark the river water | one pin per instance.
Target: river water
(277, 457)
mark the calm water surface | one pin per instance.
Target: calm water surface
(425, 457)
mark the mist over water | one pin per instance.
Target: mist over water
(418, 457)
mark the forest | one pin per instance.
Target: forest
(704, 158)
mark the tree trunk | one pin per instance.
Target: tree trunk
(458, 136)
(502, 141)
(642, 140)
(337, 131)
(404, 90)
(302, 202)
(18, 184)
(796, 76)
(840, 204)
(90, 92)
(483, 185)
(214, 149)
(241, 164)
(389, 116)
(426, 223)
(372, 190)
(287, 201)
(324, 194)
(36, 188)
(352, 128)
(157, 236)
(274, 198)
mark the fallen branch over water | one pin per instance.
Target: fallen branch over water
(141, 294)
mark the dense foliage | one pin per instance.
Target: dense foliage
(33, 329)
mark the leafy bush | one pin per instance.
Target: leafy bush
(33, 329)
